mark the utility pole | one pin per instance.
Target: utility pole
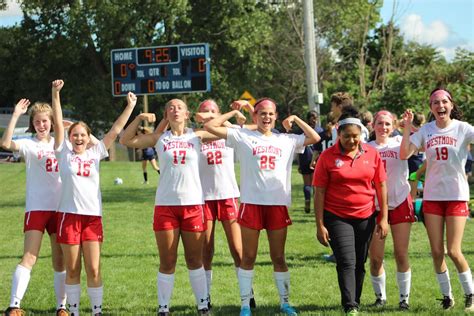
(310, 56)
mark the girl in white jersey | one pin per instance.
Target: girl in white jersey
(265, 169)
(42, 185)
(400, 215)
(179, 199)
(80, 208)
(221, 193)
(446, 190)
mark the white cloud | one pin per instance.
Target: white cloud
(450, 52)
(436, 34)
(415, 30)
(13, 10)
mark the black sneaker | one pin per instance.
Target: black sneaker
(403, 306)
(468, 303)
(14, 311)
(447, 302)
(379, 303)
(307, 206)
(252, 301)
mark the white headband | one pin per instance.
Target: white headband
(351, 120)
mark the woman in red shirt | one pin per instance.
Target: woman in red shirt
(347, 178)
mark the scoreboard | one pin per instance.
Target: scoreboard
(168, 69)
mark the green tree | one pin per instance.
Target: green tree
(72, 40)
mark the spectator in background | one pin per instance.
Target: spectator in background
(304, 161)
(148, 154)
(366, 118)
(415, 161)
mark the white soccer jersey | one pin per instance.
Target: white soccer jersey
(179, 182)
(81, 180)
(216, 169)
(43, 185)
(446, 155)
(265, 165)
(398, 187)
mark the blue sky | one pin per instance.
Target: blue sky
(445, 24)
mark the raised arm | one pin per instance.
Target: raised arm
(20, 108)
(119, 124)
(215, 126)
(56, 86)
(311, 135)
(130, 138)
(406, 147)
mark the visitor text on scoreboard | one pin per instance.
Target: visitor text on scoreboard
(180, 68)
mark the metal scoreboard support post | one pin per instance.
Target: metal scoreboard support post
(167, 69)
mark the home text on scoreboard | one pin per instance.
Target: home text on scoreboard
(180, 68)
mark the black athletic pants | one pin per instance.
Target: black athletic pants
(350, 240)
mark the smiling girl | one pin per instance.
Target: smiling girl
(80, 209)
(179, 199)
(42, 185)
(446, 191)
(265, 170)
(400, 215)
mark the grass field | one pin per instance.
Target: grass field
(130, 261)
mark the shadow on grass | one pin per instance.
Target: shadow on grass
(13, 203)
(308, 309)
(216, 310)
(119, 194)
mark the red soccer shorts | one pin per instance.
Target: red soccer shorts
(185, 217)
(73, 229)
(403, 213)
(40, 220)
(222, 210)
(446, 208)
(271, 217)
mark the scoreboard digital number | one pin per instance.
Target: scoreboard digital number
(160, 70)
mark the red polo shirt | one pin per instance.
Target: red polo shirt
(349, 183)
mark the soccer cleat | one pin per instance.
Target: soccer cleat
(307, 207)
(14, 311)
(468, 303)
(329, 258)
(352, 312)
(403, 306)
(289, 310)
(164, 314)
(204, 311)
(62, 312)
(252, 301)
(447, 302)
(245, 311)
(379, 303)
